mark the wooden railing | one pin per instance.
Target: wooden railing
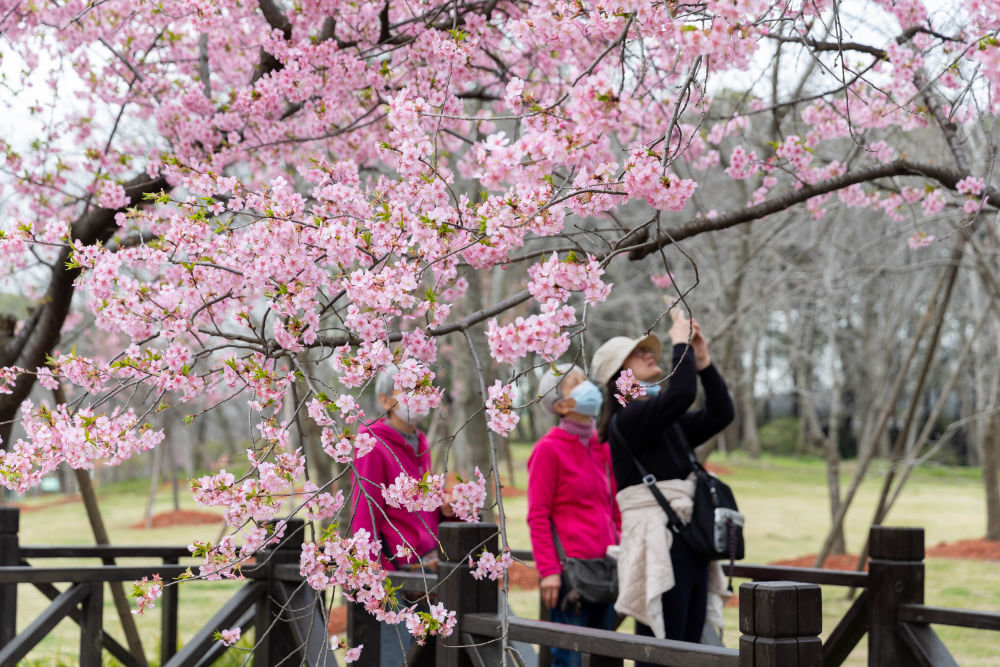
(287, 615)
(779, 617)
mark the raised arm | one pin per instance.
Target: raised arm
(718, 413)
(659, 412)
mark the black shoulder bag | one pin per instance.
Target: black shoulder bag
(595, 579)
(716, 528)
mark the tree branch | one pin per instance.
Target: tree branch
(96, 224)
(946, 177)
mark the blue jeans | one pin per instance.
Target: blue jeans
(589, 615)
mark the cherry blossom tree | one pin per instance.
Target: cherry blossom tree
(226, 188)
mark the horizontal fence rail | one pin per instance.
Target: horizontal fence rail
(603, 642)
(779, 617)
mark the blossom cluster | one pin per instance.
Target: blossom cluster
(469, 497)
(78, 438)
(629, 388)
(416, 495)
(500, 414)
(146, 592)
(230, 636)
(488, 566)
(350, 654)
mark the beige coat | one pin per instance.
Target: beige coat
(645, 572)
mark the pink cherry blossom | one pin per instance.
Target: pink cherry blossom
(628, 387)
(920, 240)
(230, 636)
(469, 497)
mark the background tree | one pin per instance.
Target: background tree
(228, 189)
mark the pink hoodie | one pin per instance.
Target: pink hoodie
(570, 484)
(392, 525)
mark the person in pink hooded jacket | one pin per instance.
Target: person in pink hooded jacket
(571, 493)
(409, 539)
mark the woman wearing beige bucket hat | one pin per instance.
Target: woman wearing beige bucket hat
(662, 583)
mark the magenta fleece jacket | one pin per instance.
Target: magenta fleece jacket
(394, 526)
(570, 484)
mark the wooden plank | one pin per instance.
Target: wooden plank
(362, 628)
(892, 583)
(216, 650)
(925, 646)
(169, 601)
(421, 655)
(457, 590)
(92, 625)
(10, 519)
(35, 575)
(481, 653)
(804, 575)
(848, 633)
(120, 653)
(961, 618)
(896, 543)
(304, 610)
(18, 647)
(225, 618)
(104, 551)
(603, 642)
(775, 609)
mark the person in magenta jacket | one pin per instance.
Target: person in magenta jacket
(409, 539)
(571, 489)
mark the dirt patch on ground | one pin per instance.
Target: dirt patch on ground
(979, 549)
(179, 518)
(716, 469)
(35, 507)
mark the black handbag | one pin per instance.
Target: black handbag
(715, 531)
(595, 579)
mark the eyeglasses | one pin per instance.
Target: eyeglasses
(642, 352)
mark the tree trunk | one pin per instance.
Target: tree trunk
(866, 449)
(991, 449)
(471, 438)
(154, 481)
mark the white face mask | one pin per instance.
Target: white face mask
(409, 414)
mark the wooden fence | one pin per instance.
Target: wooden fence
(780, 613)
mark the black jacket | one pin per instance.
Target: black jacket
(647, 426)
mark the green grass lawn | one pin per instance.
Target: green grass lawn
(787, 516)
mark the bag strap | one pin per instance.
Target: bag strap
(560, 552)
(673, 521)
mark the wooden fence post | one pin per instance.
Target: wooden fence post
(457, 590)
(168, 616)
(274, 641)
(92, 625)
(10, 554)
(780, 622)
(895, 576)
(363, 628)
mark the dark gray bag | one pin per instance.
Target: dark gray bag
(595, 579)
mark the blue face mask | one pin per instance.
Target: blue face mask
(588, 398)
(652, 389)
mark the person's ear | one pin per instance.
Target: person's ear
(386, 401)
(562, 406)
